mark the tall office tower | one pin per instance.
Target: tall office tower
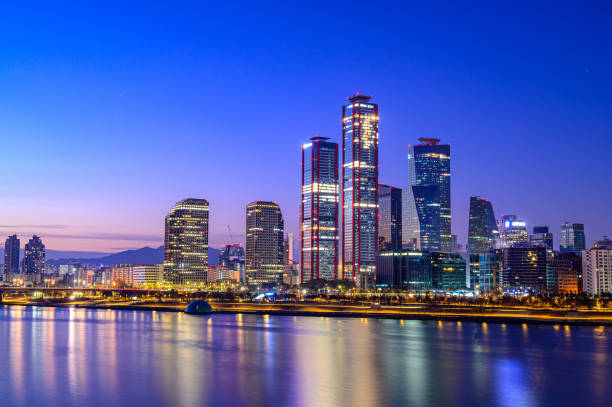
(389, 218)
(426, 203)
(572, 238)
(490, 266)
(483, 234)
(186, 242)
(566, 267)
(288, 249)
(597, 268)
(232, 258)
(541, 237)
(524, 268)
(359, 188)
(512, 231)
(319, 211)
(264, 243)
(34, 256)
(11, 255)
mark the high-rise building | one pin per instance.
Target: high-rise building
(11, 255)
(264, 243)
(490, 266)
(426, 203)
(483, 234)
(524, 268)
(34, 256)
(389, 218)
(566, 269)
(572, 238)
(359, 188)
(319, 210)
(541, 237)
(232, 258)
(597, 268)
(148, 274)
(186, 242)
(288, 249)
(512, 231)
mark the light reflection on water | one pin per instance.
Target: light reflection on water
(77, 357)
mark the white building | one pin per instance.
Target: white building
(597, 268)
(148, 274)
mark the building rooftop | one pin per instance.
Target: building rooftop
(430, 141)
(359, 98)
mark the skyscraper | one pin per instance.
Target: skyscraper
(426, 203)
(186, 242)
(541, 237)
(389, 218)
(232, 258)
(572, 238)
(264, 243)
(524, 268)
(482, 230)
(597, 268)
(359, 187)
(512, 231)
(34, 256)
(288, 249)
(319, 211)
(11, 255)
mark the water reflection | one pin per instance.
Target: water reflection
(76, 357)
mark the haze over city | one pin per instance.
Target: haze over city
(110, 118)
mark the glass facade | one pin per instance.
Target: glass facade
(482, 230)
(525, 268)
(572, 238)
(389, 218)
(448, 271)
(11, 255)
(512, 231)
(319, 211)
(232, 258)
(409, 270)
(359, 187)
(426, 218)
(490, 267)
(34, 256)
(186, 242)
(541, 237)
(264, 243)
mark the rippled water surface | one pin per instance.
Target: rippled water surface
(77, 357)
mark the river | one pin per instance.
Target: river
(83, 357)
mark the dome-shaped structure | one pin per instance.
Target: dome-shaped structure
(198, 307)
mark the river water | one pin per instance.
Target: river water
(79, 357)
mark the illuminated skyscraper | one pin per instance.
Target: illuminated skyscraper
(512, 231)
(389, 218)
(359, 187)
(541, 237)
(232, 258)
(572, 238)
(34, 256)
(11, 255)
(186, 242)
(482, 230)
(319, 211)
(264, 243)
(426, 218)
(524, 268)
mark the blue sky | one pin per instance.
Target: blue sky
(112, 112)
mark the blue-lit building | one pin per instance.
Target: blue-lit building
(426, 202)
(34, 256)
(448, 271)
(572, 238)
(409, 270)
(232, 258)
(541, 237)
(11, 255)
(483, 234)
(359, 188)
(490, 266)
(389, 218)
(319, 210)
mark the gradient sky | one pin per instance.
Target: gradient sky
(112, 112)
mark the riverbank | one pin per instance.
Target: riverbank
(417, 312)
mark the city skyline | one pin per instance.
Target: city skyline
(87, 138)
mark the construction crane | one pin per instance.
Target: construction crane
(230, 233)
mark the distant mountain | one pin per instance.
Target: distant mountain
(145, 255)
